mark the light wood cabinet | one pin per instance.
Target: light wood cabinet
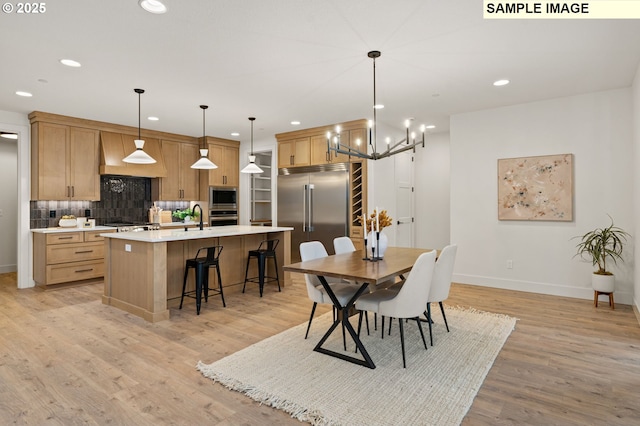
(67, 257)
(296, 152)
(182, 182)
(64, 162)
(226, 155)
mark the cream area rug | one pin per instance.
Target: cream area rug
(437, 387)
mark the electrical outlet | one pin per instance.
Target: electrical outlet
(127, 247)
(509, 264)
(52, 213)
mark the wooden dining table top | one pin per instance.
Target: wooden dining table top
(351, 266)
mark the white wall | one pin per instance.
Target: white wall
(636, 183)
(8, 205)
(597, 129)
(19, 123)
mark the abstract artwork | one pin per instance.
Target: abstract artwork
(536, 188)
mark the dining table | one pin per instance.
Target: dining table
(355, 266)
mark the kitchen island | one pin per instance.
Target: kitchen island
(144, 270)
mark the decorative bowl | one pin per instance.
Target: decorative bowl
(68, 223)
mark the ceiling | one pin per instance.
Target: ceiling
(305, 60)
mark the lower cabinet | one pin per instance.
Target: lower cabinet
(67, 257)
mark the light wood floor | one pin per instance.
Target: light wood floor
(67, 359)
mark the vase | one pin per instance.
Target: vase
(381, 244)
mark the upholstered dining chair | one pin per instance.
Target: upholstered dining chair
(343, 291)
(441, 283)
(408, 302)
(345, 245)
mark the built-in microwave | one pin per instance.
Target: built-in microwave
(222, 198)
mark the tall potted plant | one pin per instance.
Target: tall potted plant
(599, 245)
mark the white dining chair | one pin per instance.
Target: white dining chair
(343, 291)
(441, 283)
(408, 302)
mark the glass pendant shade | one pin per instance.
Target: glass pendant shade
(139, 156)
(252, 167)
(204, 162)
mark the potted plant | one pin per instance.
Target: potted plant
(599, 245)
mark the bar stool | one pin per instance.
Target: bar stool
(201, 266)
(266, 249)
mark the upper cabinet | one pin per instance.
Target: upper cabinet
(309, 146)
(225, 154)
(294, 152)
(64, 162)
(182, 182)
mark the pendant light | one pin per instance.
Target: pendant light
(139, 156)
(204, 162)
(252, 167)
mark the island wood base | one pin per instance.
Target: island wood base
(141, 277)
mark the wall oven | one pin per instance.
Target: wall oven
(223, 206)
(223, 217)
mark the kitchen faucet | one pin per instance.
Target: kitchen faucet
(193, 213)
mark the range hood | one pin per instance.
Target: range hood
(116, 146)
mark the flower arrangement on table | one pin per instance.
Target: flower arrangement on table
(181, 214)
(376, 221)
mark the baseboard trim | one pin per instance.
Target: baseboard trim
(621, 297)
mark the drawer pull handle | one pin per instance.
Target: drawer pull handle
(84, 270)
(84, 251)
(65, 238)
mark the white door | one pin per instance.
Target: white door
(404, 199)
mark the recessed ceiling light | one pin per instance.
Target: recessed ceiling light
(501, 82)
(235, 134)
(295, 123)
(430, 126)
(70, 63)
(42, 80)
(153, 6)
(25, 94)
(9, 135)
(153, 118)
(379, 106)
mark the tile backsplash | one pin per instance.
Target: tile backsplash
(122, 199)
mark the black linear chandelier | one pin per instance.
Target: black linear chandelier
(409, 142)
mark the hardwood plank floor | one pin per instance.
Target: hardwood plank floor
(67, 359)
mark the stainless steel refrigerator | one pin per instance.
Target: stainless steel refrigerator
(313, 200)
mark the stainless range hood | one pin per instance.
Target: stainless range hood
(116, 146)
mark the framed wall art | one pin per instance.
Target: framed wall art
(536, 188)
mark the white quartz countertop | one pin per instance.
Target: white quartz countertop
(179, 224)
(74, 229)
(164, 235)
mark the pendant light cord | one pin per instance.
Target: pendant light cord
(252, 119)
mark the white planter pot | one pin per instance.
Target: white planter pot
(603, 283)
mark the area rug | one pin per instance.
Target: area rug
(437, 387)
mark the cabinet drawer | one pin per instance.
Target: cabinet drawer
(76, 271)
(63, 253)
(64, 238)
(91, 236)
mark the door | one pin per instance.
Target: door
(329, 207)
(292, 201)
(404, 199)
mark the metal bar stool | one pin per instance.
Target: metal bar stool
(201, 266)
(266, 249)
